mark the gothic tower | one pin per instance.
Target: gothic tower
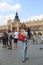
(16, 18)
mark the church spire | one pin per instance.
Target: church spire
(17, 17)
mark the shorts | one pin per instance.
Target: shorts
(15, 40)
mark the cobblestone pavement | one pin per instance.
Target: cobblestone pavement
(14, 57)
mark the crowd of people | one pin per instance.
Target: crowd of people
(37, 38)
(24, 35)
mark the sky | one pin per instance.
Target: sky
(27, 10)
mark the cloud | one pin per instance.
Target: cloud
(4, 7)
(11, 16)
(35, 18)
(16, 7)
(10, 1)
(4, 19)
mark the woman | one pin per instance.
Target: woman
(24, 42)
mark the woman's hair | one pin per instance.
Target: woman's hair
(23, 26)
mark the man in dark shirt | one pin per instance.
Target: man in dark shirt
(29, 32)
